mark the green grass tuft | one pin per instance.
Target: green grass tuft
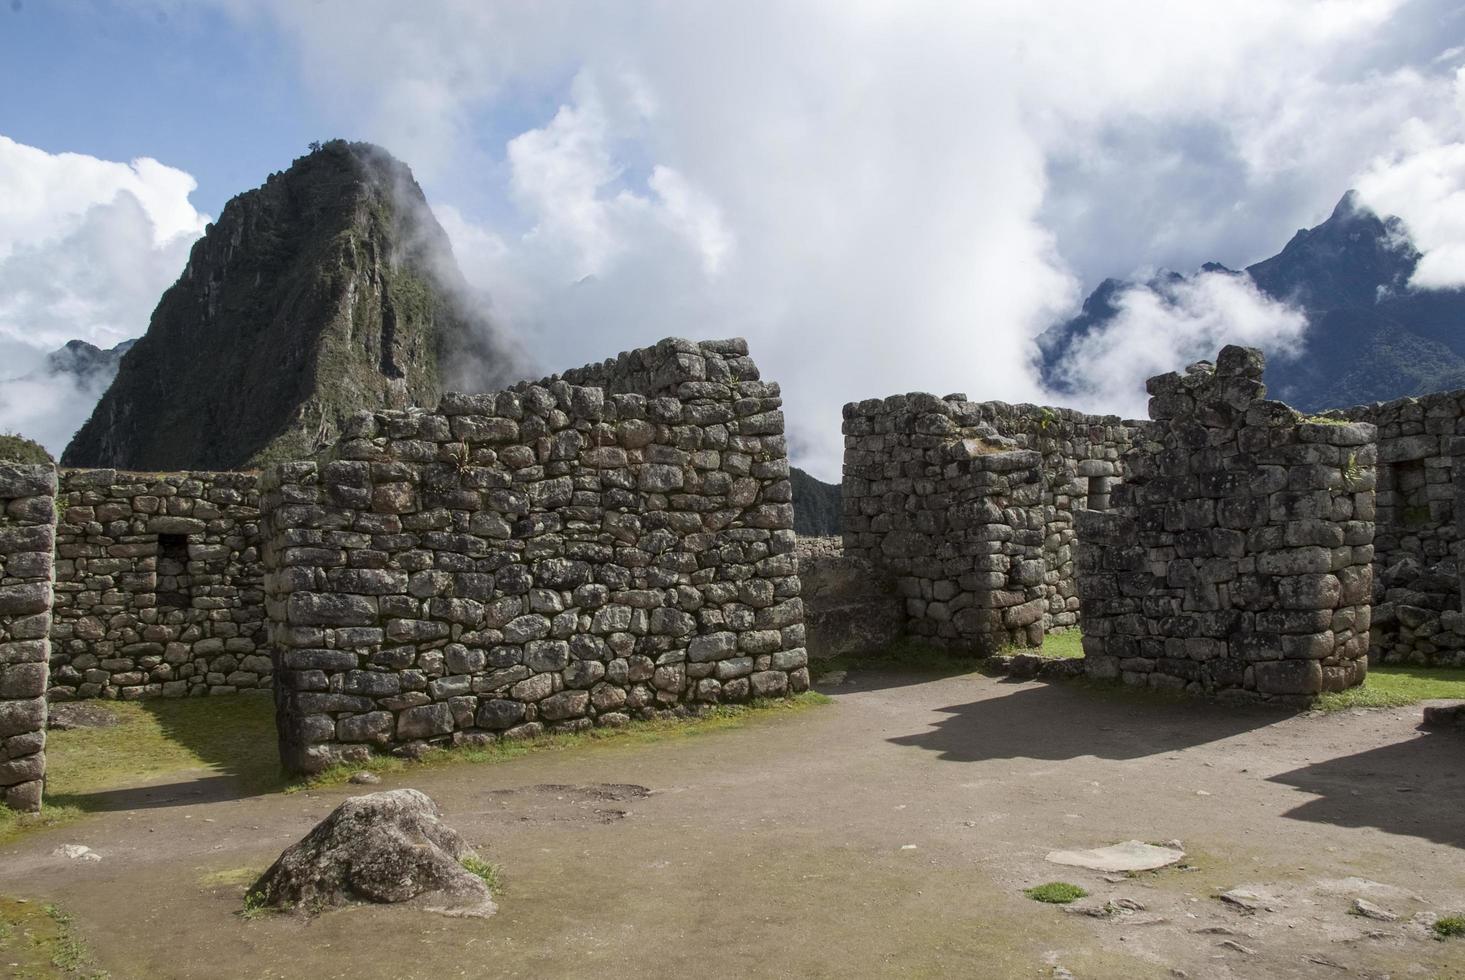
(1398, 687)
(1449, 925)
(1055, 893)
(16, 448)
(490, 873)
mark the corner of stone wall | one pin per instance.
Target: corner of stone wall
(27, 542)
(1238, 554)
(615, 542)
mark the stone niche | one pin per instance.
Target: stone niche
(613, 543)
(955, 512)
(27, 540)
(1236, 556)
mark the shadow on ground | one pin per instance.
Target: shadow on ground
(1065, 721)
(1415, 787)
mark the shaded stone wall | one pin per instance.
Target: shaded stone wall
(953, 510)
(1417, 583)
(27, 540)
(614, 543)
(1237, 556)
(159, 588)
(851, 605)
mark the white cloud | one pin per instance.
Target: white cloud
(880, 196)
(1165, 325)
(87, 246)
(1423, 181)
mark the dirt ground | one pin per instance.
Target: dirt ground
(888, 834)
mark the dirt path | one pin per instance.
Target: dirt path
(889, 834)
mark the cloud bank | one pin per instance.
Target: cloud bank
(86, 248)
(882, 197)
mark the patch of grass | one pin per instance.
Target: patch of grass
(254, 906)
(13, 824)
(719, 718)
(41, 941)
(490, 873)
(1055, 893)
(1396, 687)
(233, 735)
(1449, 925)
(16, 448)
(229, 876)
(1067, 645)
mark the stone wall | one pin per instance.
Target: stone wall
(1417, 584)
(614, 543)
(1237, 555)
(955, 512)
(27, 540)
(851, 605)
(158, 586)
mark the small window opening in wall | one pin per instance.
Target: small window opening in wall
(1099, 492)
(1410, 487)
(173, 578)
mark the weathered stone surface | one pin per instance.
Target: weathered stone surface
(389, 847)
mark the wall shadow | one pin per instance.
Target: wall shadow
(187, 792)
(1415, 787)
(1065, 721)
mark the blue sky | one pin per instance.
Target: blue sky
(880, 196)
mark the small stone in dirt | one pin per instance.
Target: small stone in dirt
(832, 678)
(67, 716)
(1233, 944)
(364, 778)
(1365, 908)
(380, 847)
(1247, 900)
(76, 852)
(1131, 855)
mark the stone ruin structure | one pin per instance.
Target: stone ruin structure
(617, 542)
(612, 543)
(1237, 554)
(1227, 544)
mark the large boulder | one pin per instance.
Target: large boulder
(382, 847)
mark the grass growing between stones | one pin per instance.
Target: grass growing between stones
(1067, 645)
(719, 718)
(41, 941)
(1055, 893)
(1397, 687)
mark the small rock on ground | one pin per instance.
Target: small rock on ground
(76, 852)
(364, 778)
(67, 716)
(1365, 908)
(1131, 855)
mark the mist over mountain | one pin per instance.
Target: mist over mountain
(328, 290)
(1369, 336)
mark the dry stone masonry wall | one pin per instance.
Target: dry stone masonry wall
(159, 586)
(954, 511)
(1237, 556)
(1417, 584)
(27, 541)
(613, 543)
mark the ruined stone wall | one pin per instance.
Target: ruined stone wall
(1082, 464)
(851, 605)
(567, 553)
(159, 588)
(1417, 585)
(954, 511)
(27, 539)
(1237, 556)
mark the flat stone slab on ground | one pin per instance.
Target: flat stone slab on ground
(68, 715)
(1130, 855)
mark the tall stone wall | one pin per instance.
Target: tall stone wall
(159, 587)
(27, 540)
(1417, 581)
(614, 543)
(953, 510)
(1082, 464)
(1237, 555)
